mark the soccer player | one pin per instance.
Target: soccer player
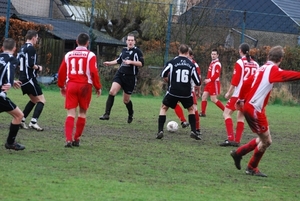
(130, 60)
(196, 91)
(244, 68)
(28, 73)
(77, 75)
(253, 98)
(8, 64)
(181, 72)
(212, 81)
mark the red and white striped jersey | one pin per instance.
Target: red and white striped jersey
(257, 88)
(242, 71)
(79, 65)
(214, 71)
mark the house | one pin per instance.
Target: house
(269, 22)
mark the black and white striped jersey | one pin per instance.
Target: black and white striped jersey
(180, 72)
(133, 54)
(27, 58)
(8, 64)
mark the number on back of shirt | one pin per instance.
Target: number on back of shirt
(80, 66)
(182, 75)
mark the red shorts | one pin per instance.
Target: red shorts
(231, 103)
(213, 88)
(256, 120)
(78, 94)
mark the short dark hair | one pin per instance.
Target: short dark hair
(183, 48)
(9, 44)
(30, 34)
(215, 50)
(132, 35)
(82, 39)
(276, 53)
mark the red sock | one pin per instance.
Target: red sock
(79, 127)
(69, 125)
(220, 105)
(229, 129)
(179, 113)
(203, 107)
(246, 148)
(254, 160)
(197, 120)
(239, 131)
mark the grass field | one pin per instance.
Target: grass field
(120, 161)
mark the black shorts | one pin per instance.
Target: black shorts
(126, 81)
(171, 101)
(31, 87)
(6, 104)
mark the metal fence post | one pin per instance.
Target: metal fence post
(168, 35)
(7, 18)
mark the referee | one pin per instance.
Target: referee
(130, 59)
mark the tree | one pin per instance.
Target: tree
(118, 18)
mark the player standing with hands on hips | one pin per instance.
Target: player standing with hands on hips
(253, 98)
(8, 64)
(180, 71)
(130, 60)
(77, 75)
(28, 73)
(244, 68)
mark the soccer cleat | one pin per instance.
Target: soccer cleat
(75, 143)
(35, 126)
(160, 135)
(185, 124)
(68, 145)
(195, 136)
(15, 146)
(202, 115)
(228, 143)
(255, 172)
(237, 159)
(198, 132)
(104, 117)
(23, 125)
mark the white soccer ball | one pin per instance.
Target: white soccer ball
(172, 126)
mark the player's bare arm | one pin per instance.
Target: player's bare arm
(109, 63)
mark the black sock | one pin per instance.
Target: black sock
(109, 103)
(161, 122)
(29, 106)
(13, 131)
(192, 121)
(129, 108)
(38, 110)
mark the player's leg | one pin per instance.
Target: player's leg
(218, 103)
(129, 106)
(195, 97)
(168, 101)
(239, 127)
(188, 103)
(229, 127)
(179, 112)
(17, 115)
(26, 89)
(115, 88)
(128, 85)
(40, 102)
(204, 97)
(84, 98)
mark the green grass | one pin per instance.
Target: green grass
(117, 161)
